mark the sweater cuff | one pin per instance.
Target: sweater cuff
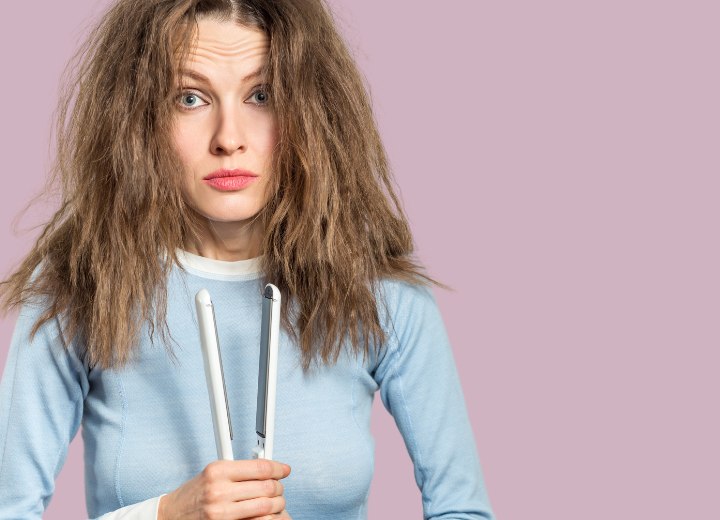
(146, 510)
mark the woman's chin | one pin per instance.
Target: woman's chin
(228, 216)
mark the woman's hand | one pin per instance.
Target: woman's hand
(230, 490)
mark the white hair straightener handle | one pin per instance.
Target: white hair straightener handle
(267, 373)
(214, 375)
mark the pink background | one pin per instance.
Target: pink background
(559, 164)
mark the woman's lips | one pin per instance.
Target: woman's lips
(230, 180)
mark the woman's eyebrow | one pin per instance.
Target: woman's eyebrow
(203, 79)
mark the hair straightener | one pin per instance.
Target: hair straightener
(267, 374)
(214, 375)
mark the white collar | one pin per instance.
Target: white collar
(219, 267)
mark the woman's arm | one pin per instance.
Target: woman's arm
(41, 403)
(419, 386)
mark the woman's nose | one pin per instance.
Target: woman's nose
(229, 136)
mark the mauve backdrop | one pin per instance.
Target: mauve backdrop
(559, 163)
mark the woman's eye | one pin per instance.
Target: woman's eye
(260, 97)
(190, 100)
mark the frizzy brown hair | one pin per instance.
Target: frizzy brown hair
(334, 226)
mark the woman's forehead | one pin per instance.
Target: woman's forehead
(227, 44)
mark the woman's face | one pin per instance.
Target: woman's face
(224, 129)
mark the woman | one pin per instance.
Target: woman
(221, 145)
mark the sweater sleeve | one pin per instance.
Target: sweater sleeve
(419, 386)
(41, 403)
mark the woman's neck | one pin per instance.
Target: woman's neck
(228, 241)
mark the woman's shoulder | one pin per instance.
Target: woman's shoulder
(404, 304)
(400, 293)
(413, 326)
(38, 323)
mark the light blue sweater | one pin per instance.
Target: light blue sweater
(147, 428)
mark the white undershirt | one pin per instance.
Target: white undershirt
(219, 267)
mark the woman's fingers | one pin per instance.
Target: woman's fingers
(254, 489)
(225, 492)
(279, 516)
(263, 507)
(242, 470)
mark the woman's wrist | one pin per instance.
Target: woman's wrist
(162, 508)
